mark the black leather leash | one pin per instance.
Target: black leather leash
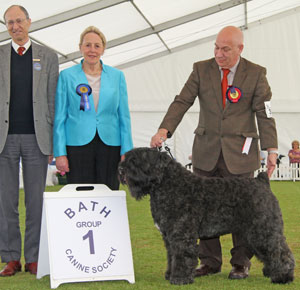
(167, 148)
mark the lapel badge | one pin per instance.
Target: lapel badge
(233, 94)
(37, 66)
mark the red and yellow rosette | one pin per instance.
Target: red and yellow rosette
(234, 94)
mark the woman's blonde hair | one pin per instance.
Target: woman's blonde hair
(94, 30)
(296, 142)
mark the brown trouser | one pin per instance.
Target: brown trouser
(210, 252)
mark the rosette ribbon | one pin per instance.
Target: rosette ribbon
(84, 90)
(234, 94)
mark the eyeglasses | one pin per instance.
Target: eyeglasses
(18, 21)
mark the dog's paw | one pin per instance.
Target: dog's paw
(167, 275)
(266, 272)
(181, 281)
(282, 279)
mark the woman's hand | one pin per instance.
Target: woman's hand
(62, 164)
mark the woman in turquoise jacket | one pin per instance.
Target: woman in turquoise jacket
(92, 129)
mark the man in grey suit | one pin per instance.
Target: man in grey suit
(233, 94)
(28, 76)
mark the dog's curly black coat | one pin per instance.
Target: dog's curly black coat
(187, 207)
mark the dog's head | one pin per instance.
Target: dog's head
(143, 170)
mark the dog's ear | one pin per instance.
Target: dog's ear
(157, 164)
(146, 161)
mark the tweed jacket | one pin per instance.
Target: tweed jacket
(226, 129)
(45, 74)
(75, 127)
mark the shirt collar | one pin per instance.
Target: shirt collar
(234, 68)
(16, 46)
(103, 65)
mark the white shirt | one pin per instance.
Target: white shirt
(230, 76)
(95, 83)
(16, 46)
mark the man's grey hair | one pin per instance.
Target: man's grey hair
(21, 7)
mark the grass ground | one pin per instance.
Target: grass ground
(150, 256)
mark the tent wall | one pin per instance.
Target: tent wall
(273, 43)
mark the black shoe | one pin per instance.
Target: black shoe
(205, 270)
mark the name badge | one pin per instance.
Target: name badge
(268, 109)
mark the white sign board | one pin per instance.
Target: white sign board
(85, 235)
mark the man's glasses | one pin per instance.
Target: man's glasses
(18, 21)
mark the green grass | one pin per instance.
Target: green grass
(150, 256)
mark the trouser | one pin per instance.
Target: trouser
(22, 147)
(210, 252)
(94, 162)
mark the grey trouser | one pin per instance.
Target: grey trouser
(24, 148)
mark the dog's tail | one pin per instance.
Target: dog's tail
(263, 176)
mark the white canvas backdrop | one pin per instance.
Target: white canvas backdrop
(274, 43)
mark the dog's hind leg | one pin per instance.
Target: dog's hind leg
(274, 252)
(282, 264)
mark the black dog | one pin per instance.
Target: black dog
(187, 207)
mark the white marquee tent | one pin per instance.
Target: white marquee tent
(156, 42)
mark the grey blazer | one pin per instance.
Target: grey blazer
(226, 130)
(45, 74)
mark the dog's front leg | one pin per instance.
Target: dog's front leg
(169, 258)
(184, 260)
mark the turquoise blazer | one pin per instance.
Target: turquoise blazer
(76, 127)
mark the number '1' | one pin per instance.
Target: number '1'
(90, 236)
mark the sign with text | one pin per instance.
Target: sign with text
(85, 235)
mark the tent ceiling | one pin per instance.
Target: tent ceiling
(138, 29)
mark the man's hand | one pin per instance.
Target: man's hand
(271, 160)
(50, 159)
(159, 138)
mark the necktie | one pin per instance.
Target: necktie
(21, 50)
(224, 84)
